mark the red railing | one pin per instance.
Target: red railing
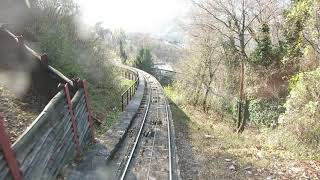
(7, 149)
(8, 152)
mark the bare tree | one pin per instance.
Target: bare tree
(233, 20)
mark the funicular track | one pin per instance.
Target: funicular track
(146, 152)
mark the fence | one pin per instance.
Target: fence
(17, 56)
(126, 96)
(61, 130)
(57, 135)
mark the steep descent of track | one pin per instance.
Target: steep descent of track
(148, 152)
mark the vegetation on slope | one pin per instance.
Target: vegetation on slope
(77, 51)
(255, 63)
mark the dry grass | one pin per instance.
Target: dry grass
(255, 154)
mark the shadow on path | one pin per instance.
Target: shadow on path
(204, 154)
(187, 164)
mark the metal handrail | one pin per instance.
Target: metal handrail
(127, 95)
(42, 58)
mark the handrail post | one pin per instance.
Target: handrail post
(88, 105)
(133, 88)
(73, 118)
(130, 92)
(127, 98)
(122, 108)
(136, 87)
(8, 152)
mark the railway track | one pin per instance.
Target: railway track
(147, 151)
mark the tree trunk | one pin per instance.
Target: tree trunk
(198, 90)
(197, 96)
(204, 105)
(241, 119)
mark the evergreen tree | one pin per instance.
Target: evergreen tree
(139, 59)
(147, 63)
(144, 60)
(263, 53)
(123, 54)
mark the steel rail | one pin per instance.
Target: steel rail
(137, 138)
(154, 137)
(130, 157)
(169, 140)
(169, 133)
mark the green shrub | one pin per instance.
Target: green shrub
(61, 53)
(77, 54)
(228, 106)
(265, 112)
(301, 118)
(171, 93)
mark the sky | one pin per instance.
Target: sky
(147, 16)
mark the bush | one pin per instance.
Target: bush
(178, 98)
(301, 118)
(265, 112)
(61, 53)
(76, 53)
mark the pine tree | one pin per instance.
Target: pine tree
(263, 52)
(144, 60)
(123, 54)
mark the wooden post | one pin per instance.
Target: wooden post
(73, 119)
(8, 152)
(130, 92)
(88, 105)
(122, 105)
(127, 97)
(44, 59)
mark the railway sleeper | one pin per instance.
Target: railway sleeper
(148, 133)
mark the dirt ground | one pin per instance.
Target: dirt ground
(18, 113)
(209, 149)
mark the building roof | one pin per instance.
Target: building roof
(163, 66)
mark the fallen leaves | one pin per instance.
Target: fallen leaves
(18, 114)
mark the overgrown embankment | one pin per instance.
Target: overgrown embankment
(113, 114)
(76, 51)
(255, 76)
(209, 147)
